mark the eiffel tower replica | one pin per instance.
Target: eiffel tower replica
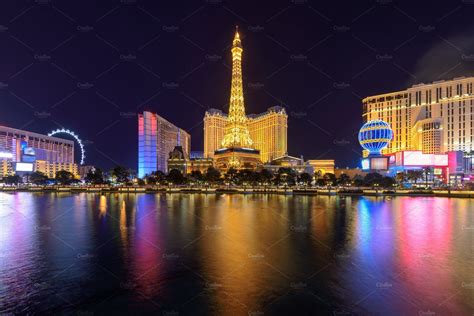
(237, 150)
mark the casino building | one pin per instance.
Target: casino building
(23, 151)
(265, 132)
(433, 118)
(268, 130)
(157, 137)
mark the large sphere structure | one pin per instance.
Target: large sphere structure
(374, 136)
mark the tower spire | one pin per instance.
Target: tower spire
(236, 133)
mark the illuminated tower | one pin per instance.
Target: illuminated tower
(236, 133)
(237, 147)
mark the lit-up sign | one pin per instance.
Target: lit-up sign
(365, 164)
(380, 163)
(29, 155)
(437, 171)
(419, 159)
(23, 166)
(29, 151)
(6, 155)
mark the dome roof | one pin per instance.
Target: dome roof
(375, 135)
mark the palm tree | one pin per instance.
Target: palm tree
(414, 175)
(401, 177)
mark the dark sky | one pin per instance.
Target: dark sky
(92, 67)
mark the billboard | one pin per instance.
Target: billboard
(414, 158)
(24, 167)
(379, 163)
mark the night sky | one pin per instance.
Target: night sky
(91, 66)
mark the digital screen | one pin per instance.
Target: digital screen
(365, 164)
(417, 158)
(379, 163)
(29, 151)
(22, 166)
(6, 155)
(440, 160)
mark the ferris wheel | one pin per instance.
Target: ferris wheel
(74, 135)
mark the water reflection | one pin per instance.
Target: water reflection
(235, 254)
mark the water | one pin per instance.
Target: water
(235, 254)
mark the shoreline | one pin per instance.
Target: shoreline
(248, 190)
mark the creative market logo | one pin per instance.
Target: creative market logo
(3, 28)
(384, 57)
(84, 85)
(341, 85)
(85, 256)
(299, 2)
(298, 285)
(213, 57)
(170, 85)
(426, 28)
(341, 142)
(170, 28)
(213, 227)
(129, 57)
(170, 256)
(384, 285)
(256, 28)
(84, 28)
(298, 115)
(341, 28)
(42, 57)
(3, 85)
(299, 57)
(128, 115)
(42, 114)
(255, 85)
(467, 57)
(299, 228)
(256, 256)
(87, 143)
(214, 2)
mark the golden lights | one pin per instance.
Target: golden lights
(236, 133)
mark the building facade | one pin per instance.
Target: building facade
(214, 124)
(51, 168)
(286, 161)
(322, 166)
(434, 118)
(178, 160)
(24, 151)
(268, 131)
(237, 149)
(157, 137)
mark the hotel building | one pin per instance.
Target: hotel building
(268, 132)
(434, 118)
(156, 139)
(24, 151)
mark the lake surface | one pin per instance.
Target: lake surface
(180, 254)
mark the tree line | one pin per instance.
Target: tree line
(283, 176)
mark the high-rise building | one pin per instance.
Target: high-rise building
(266, 132)
(237, 149)
(24, 151)
(214, 123)
(434, 118)
(156, 139)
